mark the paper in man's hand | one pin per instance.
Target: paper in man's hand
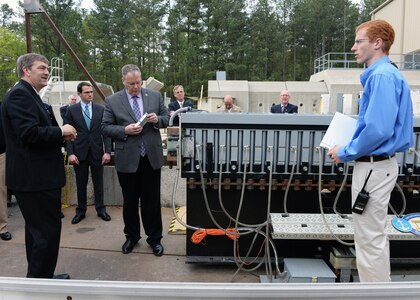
(340, 131)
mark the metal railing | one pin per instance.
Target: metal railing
(345, 60)
(55, 77)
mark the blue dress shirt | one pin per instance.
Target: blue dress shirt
(385, 123)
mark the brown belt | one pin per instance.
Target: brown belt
(373, 158)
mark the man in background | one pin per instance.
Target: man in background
(138, 156)
(4, 234)
(178, 103)
(284, 107)
(34, 164)
(71, 100)
(88, 151)
(384, 127)
(228, 106)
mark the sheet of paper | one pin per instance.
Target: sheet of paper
(340, 131)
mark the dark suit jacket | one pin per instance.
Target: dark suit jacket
(290, 109)
(2, 139)
(118, 114)
(174, 105)
(34, 161)
(87, 139)
(63, 111)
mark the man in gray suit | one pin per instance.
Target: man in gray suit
(138, 155)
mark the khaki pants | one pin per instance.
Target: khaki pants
(3, 194)
(371, 240)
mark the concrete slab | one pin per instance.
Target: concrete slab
(91, 250)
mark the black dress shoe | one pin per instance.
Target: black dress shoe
(104, 216)
(157, 249)
(128, 246)
(61, 276)
(6, 236)
(77, 218)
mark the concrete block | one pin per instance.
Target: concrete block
(112, 189)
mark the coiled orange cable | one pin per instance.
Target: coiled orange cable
(198, 236)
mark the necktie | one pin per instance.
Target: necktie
(283, 108)
(86, 115)
(136, 108)
(137, 113)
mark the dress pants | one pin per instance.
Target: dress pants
(41, 211)
(371, 240)
(3, 194)
(144, 185)
(82, 176)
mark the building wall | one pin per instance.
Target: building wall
(403, 15)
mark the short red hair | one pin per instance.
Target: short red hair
(379, 29)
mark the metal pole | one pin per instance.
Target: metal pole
(28, 33)
(74, 55)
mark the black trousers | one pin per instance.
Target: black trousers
(143, 186)
(41, 211)
(82, 176)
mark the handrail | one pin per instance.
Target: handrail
(345, 60)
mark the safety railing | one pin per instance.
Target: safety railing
(346, 60)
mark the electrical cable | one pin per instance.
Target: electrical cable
(346, 173)
(398, 215)
(321, 208)
(294, 149)
(246, 148)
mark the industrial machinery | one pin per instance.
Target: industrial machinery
(259, 184)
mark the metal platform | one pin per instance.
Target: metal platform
(312, 227)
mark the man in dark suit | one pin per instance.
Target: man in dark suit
(4, 234)
(34, 164)
(284, 107)
(138, 155)
(178, 103)
(71, 100)
(88, 150)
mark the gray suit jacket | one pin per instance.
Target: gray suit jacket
(118, 114)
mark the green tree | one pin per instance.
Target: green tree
(109, 31)
(366, 7)
(68, 20)
(225, 38)
(317, 36)
(6, 14)
(265, 40)
(184, 43)
(11, 47)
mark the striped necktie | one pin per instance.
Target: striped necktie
(137, 113)
(86, 115)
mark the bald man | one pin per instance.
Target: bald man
(228, 106)
(284, 107)
(72, 99)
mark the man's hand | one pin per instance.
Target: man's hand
(333, 154)
(133, 129)
(73, 160)
(106, 158)
(69, 132)
(152, 118)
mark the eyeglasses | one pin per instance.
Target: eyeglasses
(359, 41)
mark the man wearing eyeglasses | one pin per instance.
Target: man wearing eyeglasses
(284, 107)
(178, 103)
(384, 127)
